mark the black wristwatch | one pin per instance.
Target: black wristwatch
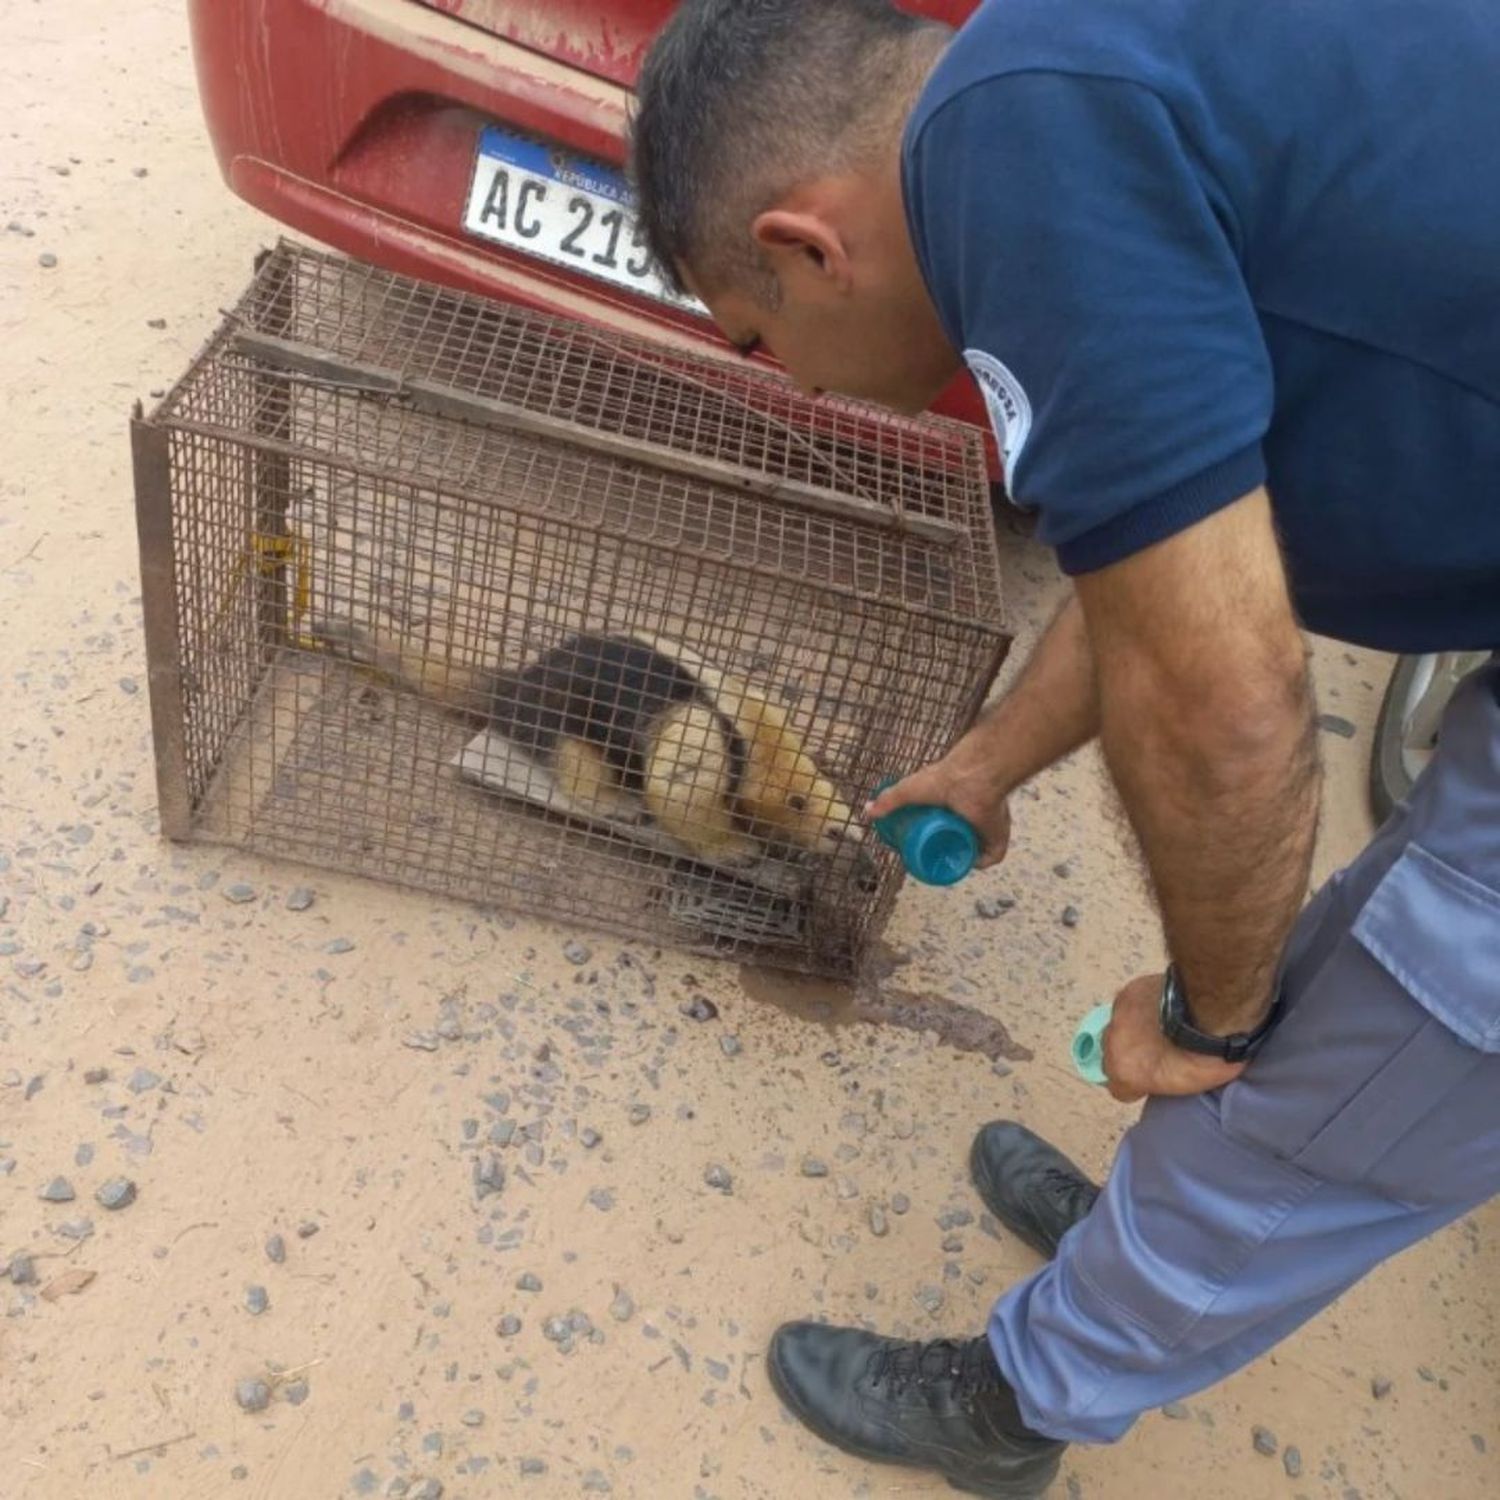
(1177, 1026)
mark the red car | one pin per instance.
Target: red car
(477, 143)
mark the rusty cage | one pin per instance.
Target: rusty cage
(367, 493)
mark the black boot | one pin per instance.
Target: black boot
(942, 1406)
(1031, 1187)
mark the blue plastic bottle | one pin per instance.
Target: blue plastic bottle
(936, 845)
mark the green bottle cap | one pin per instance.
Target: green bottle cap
(1088, 1043)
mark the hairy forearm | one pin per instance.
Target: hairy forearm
(1219, 773)
(1051, 710)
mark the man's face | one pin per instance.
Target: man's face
(855, 347)
(850, 313)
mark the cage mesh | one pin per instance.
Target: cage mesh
(453, 594)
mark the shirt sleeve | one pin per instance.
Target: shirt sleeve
(1086, 266)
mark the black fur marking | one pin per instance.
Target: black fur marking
(607, 690)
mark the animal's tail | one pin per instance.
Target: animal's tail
(454, 684)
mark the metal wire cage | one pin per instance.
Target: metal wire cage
(503, 607)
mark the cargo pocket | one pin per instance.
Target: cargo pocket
(1387, 1037)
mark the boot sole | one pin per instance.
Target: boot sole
(1031, 1486)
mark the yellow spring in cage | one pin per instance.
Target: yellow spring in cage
(271, 554)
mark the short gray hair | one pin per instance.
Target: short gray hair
(738, 100)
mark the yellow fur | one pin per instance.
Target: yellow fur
(783, 795)
(687, 776)
(586, 779)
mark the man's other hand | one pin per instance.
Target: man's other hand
(1139, 1060)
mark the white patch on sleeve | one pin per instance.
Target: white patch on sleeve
(1010, 407)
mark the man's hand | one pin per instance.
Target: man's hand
(1139, 1060)
(963, 780)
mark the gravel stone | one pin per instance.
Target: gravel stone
(900, 1203)
(622, 1309)
(256, 1300)
(533, 1466)
(576, 952)
(59, 1190)
(990, 907)
(300, 899)
(1063, 870)
(429, 1489)
(1070, 916)
(639, 1113)
(489, 1176)
(718, 1177)
(929, 1298)
(502, 1132)
(594, 1483)
(339, 945)
(1336, 725)
(508, 1326)
(297, 1392)
(306, 1229)
(239, 893)
(729, 1045)
(588, 1138)
(473, 1417)
(879, 1225)
(76, 1229)
(22, 1270)
(1176, 1410)
(46, 260)
(117, 1193)
(252, 1395)
(699, 1008)
(602, 1199)
(813, 1167)
(96, 1075)
(1264, 1441)
(1380, 1387)
(276, 1250)
(526, 1282)
(1291, 1461)
(142, 1081)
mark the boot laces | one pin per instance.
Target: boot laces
(968, 1368)
(1061, 1180)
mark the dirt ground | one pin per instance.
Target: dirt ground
(334, 1076)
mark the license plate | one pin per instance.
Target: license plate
(564, 209)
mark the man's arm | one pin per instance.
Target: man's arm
(1050, 711)
(1206, 719)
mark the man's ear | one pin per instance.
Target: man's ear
(799, 244)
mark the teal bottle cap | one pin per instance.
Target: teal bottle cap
(941, 848)
(1088, 1043)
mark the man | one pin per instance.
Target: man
(1228, 272)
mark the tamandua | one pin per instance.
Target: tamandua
(633, 722)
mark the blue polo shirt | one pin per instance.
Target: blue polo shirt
(1189, 247)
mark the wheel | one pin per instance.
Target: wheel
(1407, 729)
